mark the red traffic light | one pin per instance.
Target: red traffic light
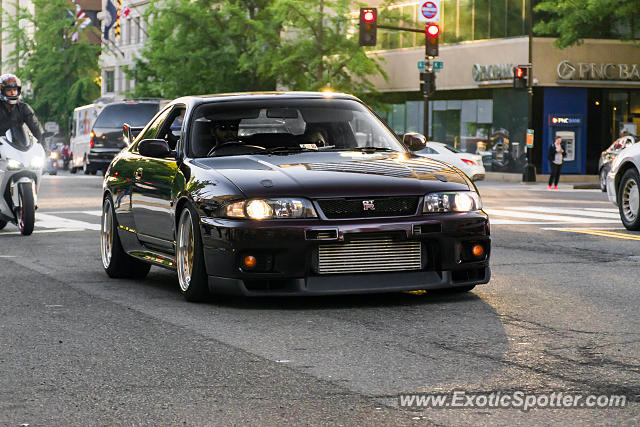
(519, 72)
(369, 16)
(432, 30)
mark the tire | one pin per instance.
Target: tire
(116, 262)
(629, 200)
(192, 276)
(93, 172)
(85, 167)
(3, 224)
(603, 180)
(73, 170)
(26, 209)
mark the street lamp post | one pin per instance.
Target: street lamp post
(529, 173)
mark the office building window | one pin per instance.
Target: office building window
(109, 81)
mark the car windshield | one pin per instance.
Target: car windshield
(288, 126)
(134, 113)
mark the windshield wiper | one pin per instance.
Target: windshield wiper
(285, 150)
(372, 149)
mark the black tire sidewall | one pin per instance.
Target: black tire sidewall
(27, 204)
(629, 174)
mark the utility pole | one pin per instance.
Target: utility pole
(529, 173)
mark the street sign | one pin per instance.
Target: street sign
(438, 65)
(429, 11)
(52, 127)
(421, 65)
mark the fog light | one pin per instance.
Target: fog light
(477, 250)
(249, 261)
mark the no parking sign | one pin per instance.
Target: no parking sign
(429, 11)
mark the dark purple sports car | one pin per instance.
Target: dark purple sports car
(289, 194)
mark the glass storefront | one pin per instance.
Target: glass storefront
(492, 127)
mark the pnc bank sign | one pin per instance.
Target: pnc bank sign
(567, 70)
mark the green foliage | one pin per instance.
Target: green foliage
(203, 46)
(213, 46)
(62, 74)
(15, 35)
(574, 20)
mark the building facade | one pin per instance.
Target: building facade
(118, 53)
(587, 94)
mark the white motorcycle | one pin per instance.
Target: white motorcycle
(21, 163)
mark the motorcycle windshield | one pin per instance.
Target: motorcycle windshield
(18, 138)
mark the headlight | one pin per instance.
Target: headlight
(270, 209)
(13, 165)
(37, 162)
(454, 201)
(53, 155)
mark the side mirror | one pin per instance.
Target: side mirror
(414, 141)
(157, 148)
(130, 133)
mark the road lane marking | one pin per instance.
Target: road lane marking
(53, 221)
(567, 211)
(547, 217)
(602, 233)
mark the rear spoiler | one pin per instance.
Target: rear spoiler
(130, 132)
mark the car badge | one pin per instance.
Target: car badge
(368, 205)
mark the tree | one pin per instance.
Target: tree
(204, 46)
(574, 20)
(62, 74)
(319, 48)
(211, 46)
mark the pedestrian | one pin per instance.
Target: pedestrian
(557, 153)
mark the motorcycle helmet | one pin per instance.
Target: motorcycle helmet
(9, 81)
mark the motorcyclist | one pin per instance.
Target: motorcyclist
(14, 112)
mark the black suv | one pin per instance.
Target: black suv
(106, 136)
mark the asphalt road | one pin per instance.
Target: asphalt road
(559, 315)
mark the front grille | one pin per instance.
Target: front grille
(369, 256)
(369, 207)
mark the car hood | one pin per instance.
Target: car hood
(336, 174)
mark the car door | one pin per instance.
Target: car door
(153, 185)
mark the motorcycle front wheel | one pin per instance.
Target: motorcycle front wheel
(26, 209)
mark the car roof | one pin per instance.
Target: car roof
(248, 96)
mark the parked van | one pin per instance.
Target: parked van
(83, 119)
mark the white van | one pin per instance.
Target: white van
(83, 118)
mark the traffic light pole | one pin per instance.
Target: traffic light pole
(529, 173)
(428, 68)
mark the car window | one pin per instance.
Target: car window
(452, 149)
(152, 130)
(136, 114)
(308, 124)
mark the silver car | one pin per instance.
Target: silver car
(623, 185)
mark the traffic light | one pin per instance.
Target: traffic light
(431, 33)
(368, 26)
(428, 83)
(520, 75)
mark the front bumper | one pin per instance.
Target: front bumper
(292, 251)
(611, 188)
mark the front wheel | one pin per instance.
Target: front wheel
(116, 262)
(629, 199)
(192, 276)
(603, 180)
(26, 209)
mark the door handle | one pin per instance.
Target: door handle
(138, 174)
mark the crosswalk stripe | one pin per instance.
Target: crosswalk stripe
(566, 211)
(52, 221)
(547, 217)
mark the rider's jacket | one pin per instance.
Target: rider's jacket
(19, 114)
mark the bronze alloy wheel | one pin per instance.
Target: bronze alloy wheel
(106, 234)
(185, 250)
